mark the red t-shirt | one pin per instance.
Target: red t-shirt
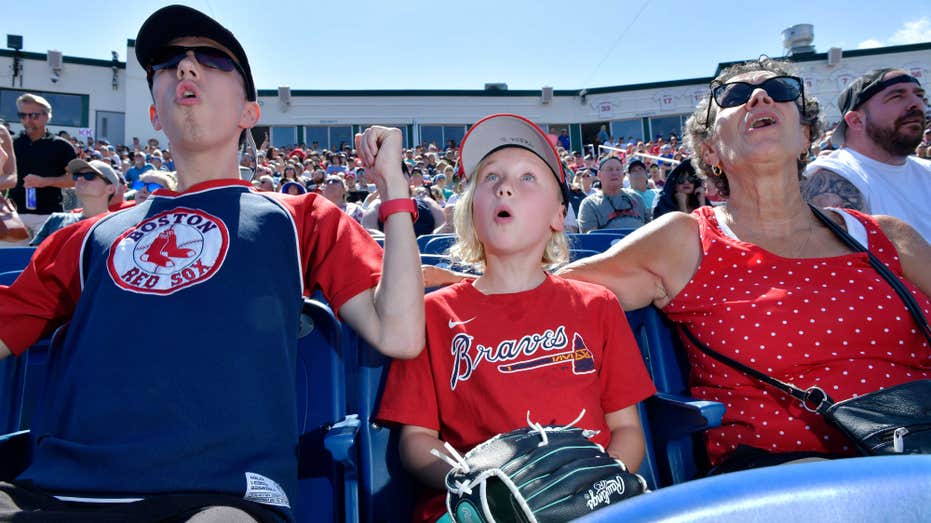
(832, 322)
(491, 358)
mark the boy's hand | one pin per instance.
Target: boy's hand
(379, 148)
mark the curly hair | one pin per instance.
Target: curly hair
(698, 129)
(468, 249)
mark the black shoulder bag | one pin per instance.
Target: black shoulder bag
(896, 420)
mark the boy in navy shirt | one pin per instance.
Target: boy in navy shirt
(196, 418)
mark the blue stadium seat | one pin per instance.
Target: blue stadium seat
(15, 258)
(673, 419)
(439, 244)
(326, 470)
(424, 239)
(8, 277)
(22, 378)
(385, 488)
(598, 241)
(578, 254)
(889, 488)
(435, 259)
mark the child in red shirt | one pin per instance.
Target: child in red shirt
(516, 342)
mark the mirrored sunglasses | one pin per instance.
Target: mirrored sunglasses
(151, 186)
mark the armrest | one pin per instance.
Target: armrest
(673, 416)
(15, 454)
(341, 439)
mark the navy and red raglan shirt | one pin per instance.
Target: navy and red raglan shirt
(177, 371)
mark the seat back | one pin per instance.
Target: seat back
(385, 488)
(578, 254)
(678, 453)
(323, 484)
(15, 258)
(12, 391)
(22, 378)
(424, 239)
(599, 240)
(890, 488)
(439, 244)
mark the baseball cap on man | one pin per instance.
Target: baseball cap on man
(860, 91)
(177, 21)
(636, 163)
(498, 131)
(101, 168)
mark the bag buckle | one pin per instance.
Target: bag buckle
(817, 397)
(898, 439)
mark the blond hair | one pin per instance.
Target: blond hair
(36, 99)
(468, 249)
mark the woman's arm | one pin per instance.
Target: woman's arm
(627, 441)
(416, 443)
(650, 266)
(914, 251)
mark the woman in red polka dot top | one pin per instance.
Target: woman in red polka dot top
(762, 281)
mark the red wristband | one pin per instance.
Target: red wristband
(387, 208)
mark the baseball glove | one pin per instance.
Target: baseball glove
(536, 475)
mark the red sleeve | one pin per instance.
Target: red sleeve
(46, 293)
(624, 377)
(410, 396)
(338, 256)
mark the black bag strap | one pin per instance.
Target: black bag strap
(813, 398)
(883, 271)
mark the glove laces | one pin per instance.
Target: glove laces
(538, 428)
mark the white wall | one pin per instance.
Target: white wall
(133, 97)
(92, 80)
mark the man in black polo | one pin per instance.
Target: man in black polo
(41, 159)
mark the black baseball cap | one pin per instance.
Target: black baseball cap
(860, 91)
(635, 163)
(177, 21)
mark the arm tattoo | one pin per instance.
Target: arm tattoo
(828, 189)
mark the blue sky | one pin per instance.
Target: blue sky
(340, 44)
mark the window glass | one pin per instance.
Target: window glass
(68, 110)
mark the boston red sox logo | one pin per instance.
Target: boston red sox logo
(168, 252)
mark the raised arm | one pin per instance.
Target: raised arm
(650, 266)
(826, 188)
(391, 317)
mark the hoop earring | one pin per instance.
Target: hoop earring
(717, 171)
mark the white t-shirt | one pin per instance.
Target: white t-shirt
(903, 191)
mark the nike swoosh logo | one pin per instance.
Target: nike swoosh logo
(454, 323)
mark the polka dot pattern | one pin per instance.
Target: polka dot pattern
(831, 322)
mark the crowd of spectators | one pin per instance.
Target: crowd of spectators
(337, 174)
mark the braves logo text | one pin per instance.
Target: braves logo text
(467, 357)
(168, 252)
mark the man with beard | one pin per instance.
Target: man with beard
(876, 171)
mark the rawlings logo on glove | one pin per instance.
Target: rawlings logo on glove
(535, 474)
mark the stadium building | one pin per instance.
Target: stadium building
(110, 99)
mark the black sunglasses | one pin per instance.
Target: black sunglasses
(779, 88)
(31, 116)
(170, 56)
(88, 176)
